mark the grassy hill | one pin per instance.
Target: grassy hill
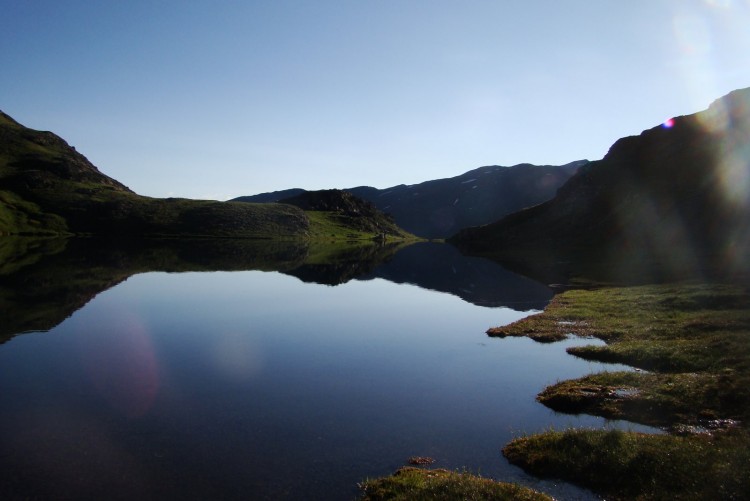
(48, 188)
(339, 214)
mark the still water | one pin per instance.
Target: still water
(259, 385)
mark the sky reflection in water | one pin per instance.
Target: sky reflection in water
(254, 384)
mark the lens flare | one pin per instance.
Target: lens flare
(238, 356)
(668, 123)
(715, 119)
(119, 358)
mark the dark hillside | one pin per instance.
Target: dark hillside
(47, 187)
(439, 208)
(675, 199)
(30, 158)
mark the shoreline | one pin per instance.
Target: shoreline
(688, 344)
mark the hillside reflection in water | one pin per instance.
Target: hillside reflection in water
(255, 384)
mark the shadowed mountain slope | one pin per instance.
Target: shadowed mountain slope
(673, 201)
(439, 208)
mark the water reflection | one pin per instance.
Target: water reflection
(475, 280)
(255, 385)
(44, 281)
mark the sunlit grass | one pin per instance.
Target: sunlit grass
(656, 399)
(692, 339)
(19, 216)
(332, 226)
(416, 484)
(626, 465)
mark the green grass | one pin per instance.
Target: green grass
(21, 217)
(626, 465)
(666, 400)
(417, 484)
(48, 188)
(91, 209)
(331, 226)
(88, 208)
(692, 338)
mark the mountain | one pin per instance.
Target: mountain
(674, 200)
(439, 208)
(48, 188)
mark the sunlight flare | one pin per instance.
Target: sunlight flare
(121, 363)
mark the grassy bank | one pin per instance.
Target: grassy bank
(417, 484)
(625, 465)
(331, 226)
(691, 342)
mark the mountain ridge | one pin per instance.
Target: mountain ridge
(438, 208)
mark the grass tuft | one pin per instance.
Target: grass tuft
(417, 484)
(626, 465)
(693, 338)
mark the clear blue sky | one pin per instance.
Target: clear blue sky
(215, 99)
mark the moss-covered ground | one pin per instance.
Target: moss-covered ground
(626, 465)
(417, 484)
(690, 342)
(331, 226)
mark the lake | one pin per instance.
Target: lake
(151, 381)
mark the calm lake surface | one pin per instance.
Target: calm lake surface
(259, 385)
